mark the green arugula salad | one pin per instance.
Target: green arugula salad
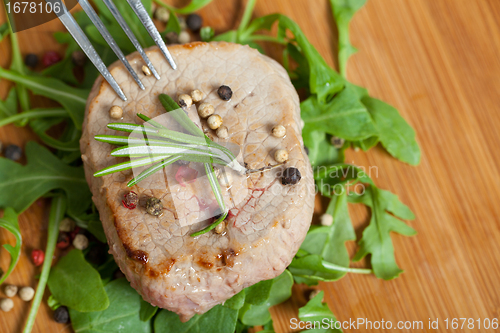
(337, 115)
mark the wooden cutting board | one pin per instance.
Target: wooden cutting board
(438, 62)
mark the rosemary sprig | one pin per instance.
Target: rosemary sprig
(166, 147)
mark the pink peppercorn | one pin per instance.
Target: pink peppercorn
(37, 256)
(50, 58)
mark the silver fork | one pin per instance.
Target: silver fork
(82, 40)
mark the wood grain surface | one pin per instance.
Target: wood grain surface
(438, 62)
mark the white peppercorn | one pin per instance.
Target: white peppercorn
(314, 293)
(81, 242)
(205, 110)
(214, 121)
(182, 22)
(326, 220)
(279, 131)
(220, 227)
(67, 225)
(281, 155)
(6, 304)
(10, 290)
(184, 37)
(162, 14)
(146, 70)
(222, 132)
(116, 112)
(197, 95)
(26, 293)
(185, 101)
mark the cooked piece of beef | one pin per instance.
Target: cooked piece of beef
(167, 266)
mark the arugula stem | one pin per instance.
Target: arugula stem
(162, 4)
(247, 16)
(33, 114)
(329, 265)
(265, 38)
(57, 209)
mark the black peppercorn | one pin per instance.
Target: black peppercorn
(225, 93)
(31, 60)
(154, 206)
(79, 58)
(291, 176)
(61, 315)
(337, 142)
(194, 22)
(13, 152)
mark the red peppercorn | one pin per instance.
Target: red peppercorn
(131, 200)
(37, 256)
(75, 232)
(63, 241)
(50, 58)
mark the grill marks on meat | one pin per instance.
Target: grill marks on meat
(169, 268)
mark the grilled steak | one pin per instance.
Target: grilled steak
(167, 266)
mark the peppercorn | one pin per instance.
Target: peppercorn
(37, 257)
(197, 95)
(182, 23)
(162, 14)
(185, 101)
(184, 37)
(172, 37)
(67, 225)
(31, 60)
(291, 176)
(194, 22)
(79, 58)
(61, 315)
(326, 220)
(281, 155)
(225, 93)
(337, 142)
(26, 293)
(116, 112)
(154, 206)
(13, 152)
(279, 131)
(205, 110)
(131, 200)
(75, 232)
(10, 290)
(50, 58)
(214, 121)
(62, 241)
(81, 242)
(6, 304)
(225, 179)
(222, 132)
(220, 227)
(146, 70)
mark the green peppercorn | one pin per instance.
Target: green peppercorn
(154, 206)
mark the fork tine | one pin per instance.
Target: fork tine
(74, 29)
(119, 18)
(107, 36)
(143, 15)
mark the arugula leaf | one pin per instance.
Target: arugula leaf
(345, 116)
(76, 284)
(397, 137)
(121, 315)
(316, 311)
(4, 31)
(72, 99)
(328, 243)
(236, 302)
(281, 290)
(10, 223)
(9, 106)
(321, 151)
(147, 311)
(259, 292)
(193, 6)
(96, 229)
(43, 172)
(63, 70)
(219, 319)
(173, 24)
(376, 237)
(343, 12)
